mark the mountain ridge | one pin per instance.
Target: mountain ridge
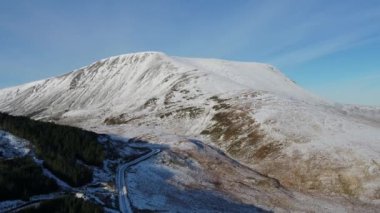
(159, 59)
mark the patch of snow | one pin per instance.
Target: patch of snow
(9, 204)
(79, 195)
(12, 146)
(49, 174)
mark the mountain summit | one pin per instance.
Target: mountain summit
(127, 80)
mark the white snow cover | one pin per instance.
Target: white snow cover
(124, 81)
(160, 95)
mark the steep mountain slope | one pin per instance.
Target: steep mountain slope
(129, 80)
(249, 110)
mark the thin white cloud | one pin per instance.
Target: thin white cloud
(320, 49)
(292, 32)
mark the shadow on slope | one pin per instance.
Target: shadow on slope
(155, 187)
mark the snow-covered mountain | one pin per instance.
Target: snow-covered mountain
(251, 111)
(129, 80)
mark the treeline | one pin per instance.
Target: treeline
(21, 178)
(61, 147)
(65, 205)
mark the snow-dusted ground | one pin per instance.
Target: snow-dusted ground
(6, 205)
(124, 203)
(251, 111)
(11, 146)
(189, 176)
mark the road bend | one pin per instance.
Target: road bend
(121, 184)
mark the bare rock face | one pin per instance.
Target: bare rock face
(250, 111)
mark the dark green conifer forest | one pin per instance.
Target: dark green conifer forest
(67, 204)
(21, 178)
(66, 150)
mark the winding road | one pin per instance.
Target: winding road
(121, 184)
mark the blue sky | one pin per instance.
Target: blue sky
(329, 47)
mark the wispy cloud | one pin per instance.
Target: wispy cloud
(321, 48)
(291, 32)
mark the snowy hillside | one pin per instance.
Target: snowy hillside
(249, 110)
(130, 80)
